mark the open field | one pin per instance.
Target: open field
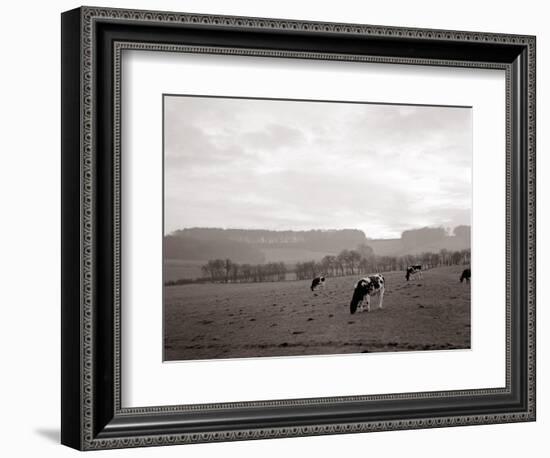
(205, 321)
(176, 269)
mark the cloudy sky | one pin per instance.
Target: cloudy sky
(272, 164)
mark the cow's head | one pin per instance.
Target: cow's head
(361, 289)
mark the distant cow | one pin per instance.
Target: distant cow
(466, 274)
(415, 269)
(364, 289)
(317, 282)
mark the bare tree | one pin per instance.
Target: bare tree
(235, 272)
(354, 257)
(342, 260)
(329, 265)
(347, 262)
(281, 271)
(227, 265)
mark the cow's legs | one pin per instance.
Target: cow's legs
(367, 298)
(381, 298)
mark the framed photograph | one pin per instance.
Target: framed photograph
(269, 228)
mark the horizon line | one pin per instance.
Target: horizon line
(446, 228)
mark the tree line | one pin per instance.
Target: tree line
(363, 261)
(227, 271)
(348, 262)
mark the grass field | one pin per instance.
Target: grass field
(205, 321)
(176, 269)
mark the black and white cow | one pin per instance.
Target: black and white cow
(317, 282)
(466, 274)
(364, 289)
(415, 269)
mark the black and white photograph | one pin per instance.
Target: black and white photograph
(310, 227)
(279, 220)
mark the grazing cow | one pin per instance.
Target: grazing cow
(364, 289)
(317, 282)
(415, 269)
(466, 274)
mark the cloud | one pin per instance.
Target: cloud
(302, 165)
(273, 137)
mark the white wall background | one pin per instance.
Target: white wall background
(30, 240)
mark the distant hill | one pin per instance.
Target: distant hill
(183, 247)
(258, 246)
(424, 240)
(315, 240)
